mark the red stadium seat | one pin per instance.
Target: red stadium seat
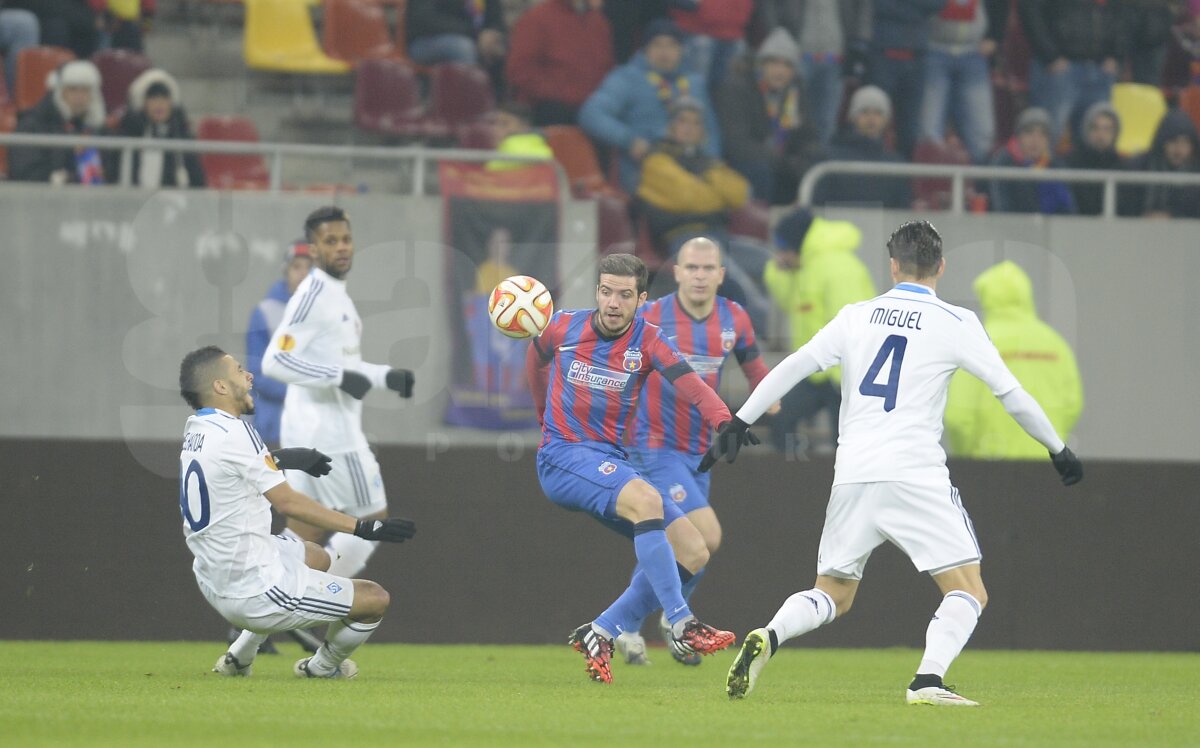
(1189, 102)
(33, 65)
(460, 95)
(614, 229)
(8, 123)
(357, 30)
(478, 136)
(118, 68)
(934, 192)
(387, 99)
(753, 220)
(231, 171)
(574, 151)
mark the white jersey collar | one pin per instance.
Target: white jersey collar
(325, 277)
(915, 288)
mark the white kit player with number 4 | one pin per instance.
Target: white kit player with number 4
(897, 353)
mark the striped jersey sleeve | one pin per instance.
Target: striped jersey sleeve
(289, 356)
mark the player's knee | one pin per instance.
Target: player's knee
(642, 502)
(316, 557)
(980, 595)
(371, 601)
(712, 539)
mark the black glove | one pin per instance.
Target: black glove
(1068, 466)
(309, 460)
(731, 437)
(354, 384)
(400, 380)
(390, 530)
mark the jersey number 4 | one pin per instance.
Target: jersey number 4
(185, 498)
(892, 347)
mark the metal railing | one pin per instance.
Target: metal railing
(959, 174)
(420, 156)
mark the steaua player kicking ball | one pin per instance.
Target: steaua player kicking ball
(586, 371)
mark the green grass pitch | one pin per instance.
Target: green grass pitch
(161, 694)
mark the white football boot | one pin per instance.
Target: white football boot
(750, 660)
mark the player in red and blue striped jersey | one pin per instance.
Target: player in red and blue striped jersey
(670, 437)
(587, 370)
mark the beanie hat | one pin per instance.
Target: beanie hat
(81, 73)
(792, 228)
(779, 45)
(870, 97)
(684, 104)
(1034, 116)
(661, 27)
(1099, 109)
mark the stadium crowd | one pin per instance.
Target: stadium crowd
(779, 86)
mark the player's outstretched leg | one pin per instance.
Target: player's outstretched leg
(240, 657)
(949, 629)
(751, 659)
(347, 634)
(597, 650)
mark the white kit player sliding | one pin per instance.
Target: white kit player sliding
(258, 582)
(317, 351)
(897, 353)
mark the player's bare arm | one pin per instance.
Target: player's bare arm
(293, 504)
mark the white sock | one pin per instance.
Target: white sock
(342, 639)
(245, 647)
(801, 613)
(948, 632)
(348, 554)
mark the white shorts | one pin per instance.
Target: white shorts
(354, 486)
(927, 522)
(303, 598)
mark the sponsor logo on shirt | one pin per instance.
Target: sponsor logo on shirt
(607, 468)
(287, 343)
(633, 360)
(728, 338)
(596, 377)
(678, 492)
(267, 458)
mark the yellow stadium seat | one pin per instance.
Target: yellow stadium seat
(1141, 108)
(280, 38)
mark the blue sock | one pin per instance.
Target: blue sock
(688, 586)
(657, 560)
(631, 607)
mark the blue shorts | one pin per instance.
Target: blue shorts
(587, 477)
(675, 476)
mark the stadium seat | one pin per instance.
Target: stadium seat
(387, 99)
(1189, 102)
(5, 94)
(279, 37)
(934, 192)
(614, 229)
(8, 123)
(357, 30)
(753, 220)
(33, 65)
(1141, 108)
(478, 136)
(118, 68)
(231, 171)
(574, 152)
(460, 95)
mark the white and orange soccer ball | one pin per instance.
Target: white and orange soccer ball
(520, 306)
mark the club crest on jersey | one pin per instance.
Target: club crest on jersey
(678, 492)
(632, 360)
(607, 468)
(728, 338)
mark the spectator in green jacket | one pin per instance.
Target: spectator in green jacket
(512, 130)
(814, 274)
(976, 424)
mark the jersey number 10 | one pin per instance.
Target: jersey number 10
(185, 505)
(893, 346)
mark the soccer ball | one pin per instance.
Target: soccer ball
(520, 306)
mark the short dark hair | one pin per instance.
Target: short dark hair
(625, 266)
(192, 373)
(325, 214)
(917, 247)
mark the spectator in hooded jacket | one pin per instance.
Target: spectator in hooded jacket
(716, 35)
(264, 320)
(629, 112)
(1077, 47)
(1097, 149)
(833, 36)
(513, 132)
(815, 273)
(963, 36)
(976, 424)
(766, 129)
(155, 112)
(71, 106)
(1175, 150)
(18, 29)
(864, 140)
(561, 50)
(899, 43)
(1029, 148)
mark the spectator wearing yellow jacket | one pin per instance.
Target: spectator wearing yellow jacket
(512, 130)
(976, 424)
(815, 273)
(685, 192)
